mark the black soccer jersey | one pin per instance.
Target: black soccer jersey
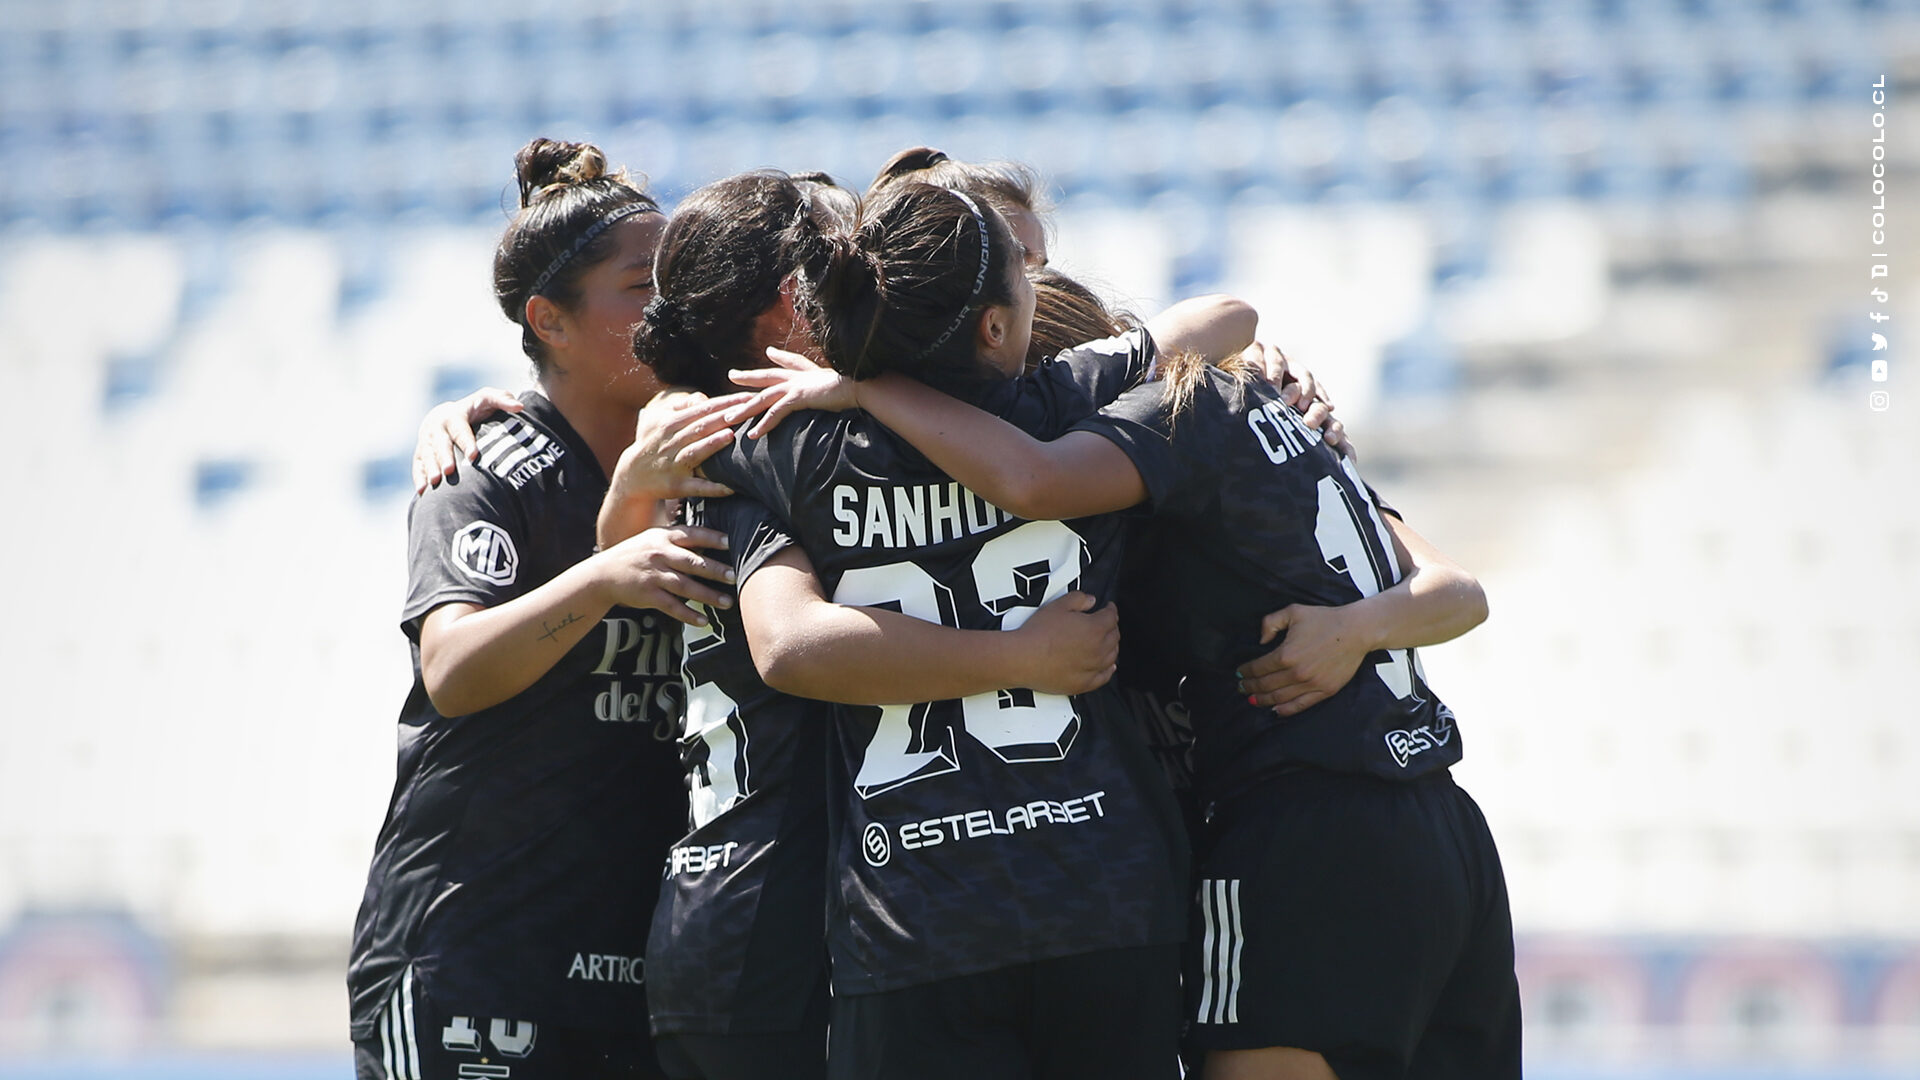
(519, 862)
(1011, 826)
(738, 939)
(1256, 513)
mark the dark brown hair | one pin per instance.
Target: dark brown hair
(1006, 186)
(906, 291)
(1067, 313)
(726, 249)
(567, 200)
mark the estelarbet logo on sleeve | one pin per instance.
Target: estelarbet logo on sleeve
(484, 551)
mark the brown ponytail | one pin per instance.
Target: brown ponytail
(1067, 313)
(906, 292)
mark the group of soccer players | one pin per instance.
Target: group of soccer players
(946, 677)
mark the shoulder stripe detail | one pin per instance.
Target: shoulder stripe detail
(506, 445)
(512, 440)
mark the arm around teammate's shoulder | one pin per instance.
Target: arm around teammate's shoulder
(806, 645)
(1436, 600)
(1076, 475)
(1215, 326)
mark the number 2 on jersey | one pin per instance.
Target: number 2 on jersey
(1013, 575)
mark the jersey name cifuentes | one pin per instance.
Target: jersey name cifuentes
(1282, 434)
(910, 516)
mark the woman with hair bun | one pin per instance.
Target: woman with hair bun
(1352, 917)
(1010, 865)
(737, 963)
(537, 790)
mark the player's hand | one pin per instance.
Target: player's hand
(1302, 391)
(448, 431)
(1322, 649)
(796, 383)
(663, 568)
(1073, 648)
(676, 432)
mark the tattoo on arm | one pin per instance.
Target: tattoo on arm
(552, 630)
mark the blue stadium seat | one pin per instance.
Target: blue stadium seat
(1424, 362)
(217, 481)
(386, 478)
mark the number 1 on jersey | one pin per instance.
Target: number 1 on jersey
(1371, 567)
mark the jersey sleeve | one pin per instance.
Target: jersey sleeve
(773, 468)
(754, 534)
(464, 539)
(1105, 369)
(1166, 448)
(1385, 506)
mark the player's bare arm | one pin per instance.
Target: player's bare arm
(474, 657)
(806, 645)
(1436, 601)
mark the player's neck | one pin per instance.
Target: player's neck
(606, 426)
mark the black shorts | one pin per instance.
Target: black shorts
(1109, 1015)
(1360, 918)
(775, 1055)
(417, 1042)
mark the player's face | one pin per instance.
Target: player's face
(613, 300)
(1026, 229)
(1009, 355)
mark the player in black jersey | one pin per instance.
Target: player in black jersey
(503, 926)
(720, 992)
(1006, 862)
(1352, 916)
(736, 961)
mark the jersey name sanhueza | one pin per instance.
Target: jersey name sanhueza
(1253, 513)
(1011, 826)
(519, 860)
(738, 942)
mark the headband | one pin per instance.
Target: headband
(979, 282)
(607, 221)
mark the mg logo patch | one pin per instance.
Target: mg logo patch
(484, 551)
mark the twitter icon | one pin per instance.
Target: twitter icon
(1879, 342)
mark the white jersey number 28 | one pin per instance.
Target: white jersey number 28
(1013, 574)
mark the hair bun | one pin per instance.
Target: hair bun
(544, 165)
(666, 316)
(911, 160)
